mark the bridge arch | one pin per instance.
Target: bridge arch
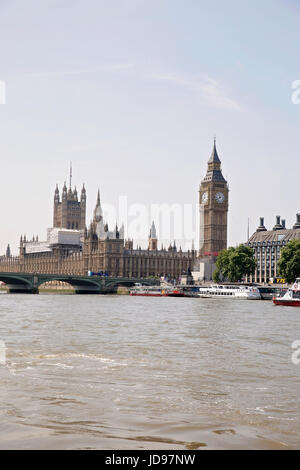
(80, 285)
(17, 283)
(113, 284)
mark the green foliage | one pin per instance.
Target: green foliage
(234, 263)
(289, 262)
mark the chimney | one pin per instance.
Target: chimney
(297, 224)
(278, 225)
(283, 223)
(261, 227)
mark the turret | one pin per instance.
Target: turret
(69, 213)
(64, 191)
(122, 232)
(83, 194)
(117, 234)
(56, 206)
(98, 214)
(75, 194)
(8, 252)
(56, 194)
(83, 208)
(152, 241)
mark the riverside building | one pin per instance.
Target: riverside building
(73, 248)
(213, 205)
(267, 246)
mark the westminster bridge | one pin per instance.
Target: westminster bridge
(29, 283)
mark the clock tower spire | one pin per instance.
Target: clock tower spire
(213, 199)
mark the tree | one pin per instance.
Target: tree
(234, 263)
(289, 262)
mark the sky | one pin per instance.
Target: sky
(133, 93)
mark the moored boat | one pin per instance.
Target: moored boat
(269, 292)
(291, 298)
(149, 291)
(230, 291)
(156, 291)
(176, 292)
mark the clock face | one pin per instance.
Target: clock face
(204, 198)
(220, 198)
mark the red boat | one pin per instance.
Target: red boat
(175, 293)
(291, 298)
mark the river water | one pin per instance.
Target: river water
(121, 372)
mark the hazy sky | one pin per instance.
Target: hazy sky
(133, 92)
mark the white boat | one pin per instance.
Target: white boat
(150, 291)
(156, 291)
(230, 291)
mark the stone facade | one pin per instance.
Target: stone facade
(267, 245)
(69, 212)
(100, 249)
(104, 250)
(213, 200)
(213, 204)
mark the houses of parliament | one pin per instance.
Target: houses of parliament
(72, 247)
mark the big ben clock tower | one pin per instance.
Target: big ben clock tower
(213, 199)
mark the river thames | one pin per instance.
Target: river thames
(121, 372)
